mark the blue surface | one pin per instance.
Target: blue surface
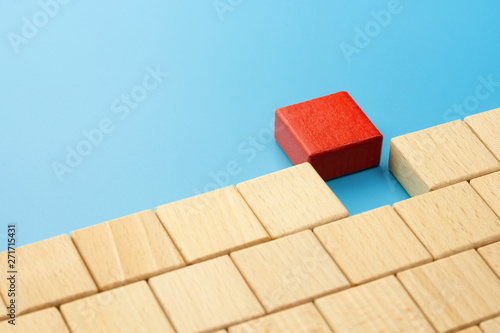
(227, 75)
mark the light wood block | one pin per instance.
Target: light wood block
(486, 126)
(3, 314)
(491, 254)
(491, 326)
(378, 306)
(473, 329)
(50, 272)
(488, 188)
(211, 224)
(127, 249)
(292, 200)
(439, 156)
(43, 321)
(450, 220)
(132, 308)
(301, 319)
(371, 245)
(289, 271)
(206, 296)
(454, 292)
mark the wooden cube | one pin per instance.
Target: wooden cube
(43, 321)
(486, 126)
(289, 271)
(455, 292)
(211, 224)
(127, 250)
(331, 132)
(488, 188)
(450, 220)
(491, 254)
(206, 296)
(132, 308)
(51, 272)
(371, 245)
(378, 306)
(292, 200)
(439, 156)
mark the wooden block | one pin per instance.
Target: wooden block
(439, 156)
(454, 292)
(473, 329)
(43, 321)
(378, 306)
(292, 200)
(450, 220)
(491, 326)
(132, 308)
(211, 224)
(206, 296)
(486, 126)
(491, 254)
(3, 314)
(331, 132)
(127, 249)
(289, 271)
(301, 319)
(51, 272)
(488, 188)
(371, 245)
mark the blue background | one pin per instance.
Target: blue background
(227, 75)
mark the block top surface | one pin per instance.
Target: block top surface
(114, 260)
(52, 273)
(328, 122)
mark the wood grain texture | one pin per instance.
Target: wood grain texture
(378, 306)
(454, 292)
(488, 188)
(211, 224)
(127, 250)
(439, 156)
(491, 326)
(132, 308)
(3, 314)
(301, 319)
(450, 220)
(206, 296)
(289, 271)
(43, 321)
(491, 254)
(371, 245)
(292, 200)
(486, 126)
(331, 132)
(52, 272)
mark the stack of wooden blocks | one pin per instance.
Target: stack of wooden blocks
(280, 254)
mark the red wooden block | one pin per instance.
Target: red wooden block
(331, 132)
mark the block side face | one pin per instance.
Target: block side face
(289, 141)
(405, 172)
(348, 159)
(330, 121)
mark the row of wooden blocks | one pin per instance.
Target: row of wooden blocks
(253, 264)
